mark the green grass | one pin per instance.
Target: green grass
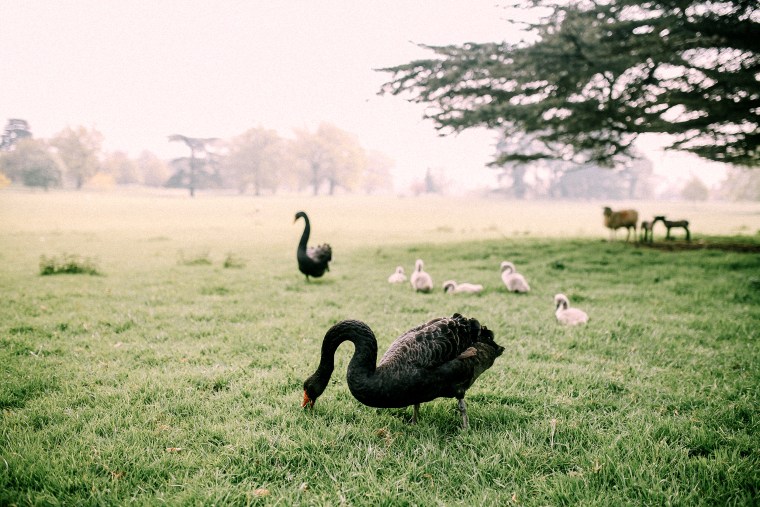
(174, 382)
(67, 264)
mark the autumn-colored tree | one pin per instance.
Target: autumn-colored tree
(309, 149)
(123, 169)
(345, 159)
(79, 150)
(154, 172)
(255, 159)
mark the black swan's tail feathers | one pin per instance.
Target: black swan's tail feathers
(478, 333)
(321, 253)
(482, 352)
(486, 336)
(470, 364)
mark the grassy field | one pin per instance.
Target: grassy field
(170, 378)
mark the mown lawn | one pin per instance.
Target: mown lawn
(170, 378)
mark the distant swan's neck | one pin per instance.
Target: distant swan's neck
(305, 235)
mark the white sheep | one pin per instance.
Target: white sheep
(420, 280)
(451, 287)
(565, 314)
(514, 281)
(398, 276)
(627, 218)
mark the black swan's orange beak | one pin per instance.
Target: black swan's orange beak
(307, 401)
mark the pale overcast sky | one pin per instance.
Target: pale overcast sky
(139, 71)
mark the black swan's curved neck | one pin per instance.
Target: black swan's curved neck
(305, 235)
(361, 368)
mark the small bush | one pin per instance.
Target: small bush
(233, 261)
(67, 264)
(195, 259)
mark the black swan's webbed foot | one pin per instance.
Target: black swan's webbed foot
(463, 411)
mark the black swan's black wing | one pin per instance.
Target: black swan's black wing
(436, 343)
(441, 358)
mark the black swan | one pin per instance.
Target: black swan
(441, 358)
(311, 261)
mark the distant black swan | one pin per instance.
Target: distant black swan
(441, 358)
(311, 261)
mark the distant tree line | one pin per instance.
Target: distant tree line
(258, 160)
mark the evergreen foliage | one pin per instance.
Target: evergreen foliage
(601, 73)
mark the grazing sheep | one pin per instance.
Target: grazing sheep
(514, 281)
(614, 220)
(420, 280)
(451, 287)
(646, 232)
(565, 314)
(673, 224)
(398, 276)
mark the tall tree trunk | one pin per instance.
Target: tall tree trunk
(518, 181)
(192, 172)
(315, 177)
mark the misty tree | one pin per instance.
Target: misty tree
(377, 175)
(79, 151)
(346, 159)
(200, 168)
(741, 184)
(255, 159)
(434, 182)
(695, 190)
(31, 163)
(590, 181)
(599, 73)
(121, 167)
(15, 130)
(532, 175)
(154, 172)
(638, 173)
(309, 148)
(513, 170)
(332, 156)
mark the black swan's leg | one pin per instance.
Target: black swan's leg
(415, 413)
(463, 411)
